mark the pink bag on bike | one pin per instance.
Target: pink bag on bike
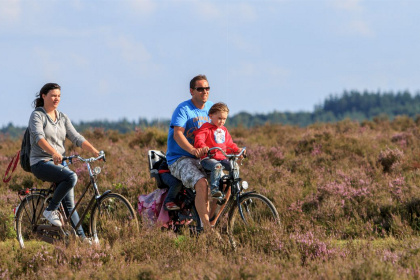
(151, 210)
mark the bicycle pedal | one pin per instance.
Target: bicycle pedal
(183, 217)
(221, 201)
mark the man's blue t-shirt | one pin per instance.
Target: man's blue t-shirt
(188, 116)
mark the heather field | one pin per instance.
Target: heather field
(347, 193)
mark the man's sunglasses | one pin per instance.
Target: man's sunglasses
(201, 89)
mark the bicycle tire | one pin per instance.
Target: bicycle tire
(28, 217)
(112, 218)
(259, 215)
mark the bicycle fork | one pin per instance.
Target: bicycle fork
(246, 204)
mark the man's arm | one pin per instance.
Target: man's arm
(182, 141)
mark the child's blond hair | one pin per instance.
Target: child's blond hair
(218, 107)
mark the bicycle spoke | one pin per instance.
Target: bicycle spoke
(113, 218)
(28, 218)
(258, 215)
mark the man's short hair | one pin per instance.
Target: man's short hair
(197, 78)
(218, 107)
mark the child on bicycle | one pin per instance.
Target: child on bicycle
(214, 134)
(174, 187)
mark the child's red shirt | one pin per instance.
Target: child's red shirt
(212, 136)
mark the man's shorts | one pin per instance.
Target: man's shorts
(188, 170)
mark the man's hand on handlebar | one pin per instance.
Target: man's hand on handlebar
(199, 152)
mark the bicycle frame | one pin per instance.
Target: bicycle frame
(92, 181)
(119, 212)
(231, 181)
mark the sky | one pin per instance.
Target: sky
(134, 59)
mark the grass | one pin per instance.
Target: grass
(347, 194)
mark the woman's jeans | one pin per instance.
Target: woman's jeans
(65, 180)
(216, 167)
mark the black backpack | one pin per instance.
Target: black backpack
(25, 148)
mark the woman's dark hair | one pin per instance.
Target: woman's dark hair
(39, 101)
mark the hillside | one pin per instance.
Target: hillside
(352, 105)
(347, 193)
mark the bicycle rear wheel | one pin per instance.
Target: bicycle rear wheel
(29, 218)
(259, 216)
(112, 218)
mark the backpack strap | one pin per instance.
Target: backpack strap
(38, 109)
(13, 163)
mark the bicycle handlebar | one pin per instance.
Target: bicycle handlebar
(92, 159)
(209, 155)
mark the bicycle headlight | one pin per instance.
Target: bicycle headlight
(96, 170)
(244, 185)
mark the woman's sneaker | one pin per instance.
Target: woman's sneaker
(89, 240)
(53, 217)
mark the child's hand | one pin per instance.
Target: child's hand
(242, 156)
(202, 151)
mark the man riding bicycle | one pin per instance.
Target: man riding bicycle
(182, 156)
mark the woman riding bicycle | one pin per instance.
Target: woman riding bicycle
(49, 129)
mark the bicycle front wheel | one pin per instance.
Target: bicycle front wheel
(259, 216)
(113, 218)
(29, 219)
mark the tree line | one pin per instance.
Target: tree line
(354, 105)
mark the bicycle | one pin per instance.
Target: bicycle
(246, 211)
(111, 214)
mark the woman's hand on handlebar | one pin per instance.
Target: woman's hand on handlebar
(96, 152)
(101, 156)
(57, 158)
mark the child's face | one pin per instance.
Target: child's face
(219, 118)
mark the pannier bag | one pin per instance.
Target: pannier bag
(150, 208)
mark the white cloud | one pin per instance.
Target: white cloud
(267, 70)
(240, 43)
(131, 51)
(79, 61)
(238, 11)
(77, 4)
(348, 5)
(10, 11)
(246, 12)
(360, 27)
(135, 56)
(354, 17)
(207, 10)
(143, 7)
(103, 88)
(49, 67)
